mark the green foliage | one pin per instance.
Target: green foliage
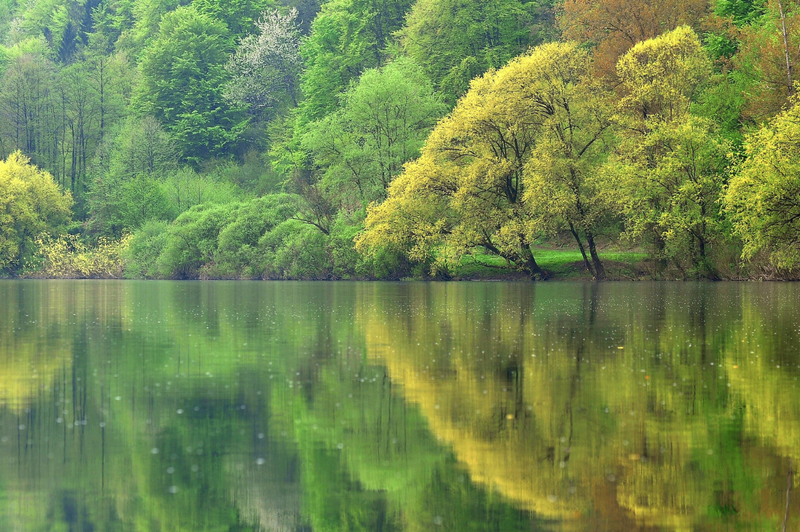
(258, 239)
(30, 204)
(672, 165)
(295, 250)
(186, 188)
(182, 78)
(740, 11)
(722, 100)
(192, 241)
(381, 125)
(144, 248)
(146, 16)
(671, 187)
(238, 15)
(469, 188)
(127, 169)
(27, 96)
(456, 40)
(764, 194)
(239, 252)
(6, 16)
(347, 37)
(63, 24)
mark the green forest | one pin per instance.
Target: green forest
(395, 139)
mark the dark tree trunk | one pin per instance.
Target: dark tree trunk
(599, 270)
(583, 250)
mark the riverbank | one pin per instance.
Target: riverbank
(560, 265)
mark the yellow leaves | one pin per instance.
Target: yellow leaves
(30, 202)
(659, 76)
(67, 257)
(762, 197)
(467, 189)
(408, 219)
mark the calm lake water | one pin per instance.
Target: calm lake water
(279, 406)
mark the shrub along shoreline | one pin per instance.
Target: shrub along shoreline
(67, 257)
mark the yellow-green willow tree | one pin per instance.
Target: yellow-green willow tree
(764, 196)
(510, 163)
(671, 165)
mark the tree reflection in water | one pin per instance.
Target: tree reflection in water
(473, 406)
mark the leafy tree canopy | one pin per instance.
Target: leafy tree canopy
(456, 40)
(182, 78)
(764, 195)
(347, 37)
(614, 26)
(381, 125)
(30, 203)
(469, 186)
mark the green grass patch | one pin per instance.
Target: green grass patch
(561, 264)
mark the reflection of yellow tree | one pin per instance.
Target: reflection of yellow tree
(555, 404)
(41, 323)
(762, 368)
(39, 328)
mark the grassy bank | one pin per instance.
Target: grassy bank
(561, 265)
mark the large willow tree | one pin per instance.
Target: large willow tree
(764, 196)
(524, 133)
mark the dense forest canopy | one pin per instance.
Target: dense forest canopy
(394, 138)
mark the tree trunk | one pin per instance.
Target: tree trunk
(583, 250)
(599, 270)
(531, 266)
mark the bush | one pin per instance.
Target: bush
(191, 242)
(237, 254)
(146, 245)
(68, 257)
(295, 250)
(30, 203)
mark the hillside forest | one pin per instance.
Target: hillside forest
(389, 139)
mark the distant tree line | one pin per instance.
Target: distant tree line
(394, 138)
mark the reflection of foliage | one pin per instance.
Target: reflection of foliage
(582, 416)
(404, 406)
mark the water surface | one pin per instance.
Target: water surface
(280, 406)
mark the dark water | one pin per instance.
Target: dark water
(133, 406)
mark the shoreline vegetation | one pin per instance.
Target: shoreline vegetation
(432, 139)
(108, 261)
